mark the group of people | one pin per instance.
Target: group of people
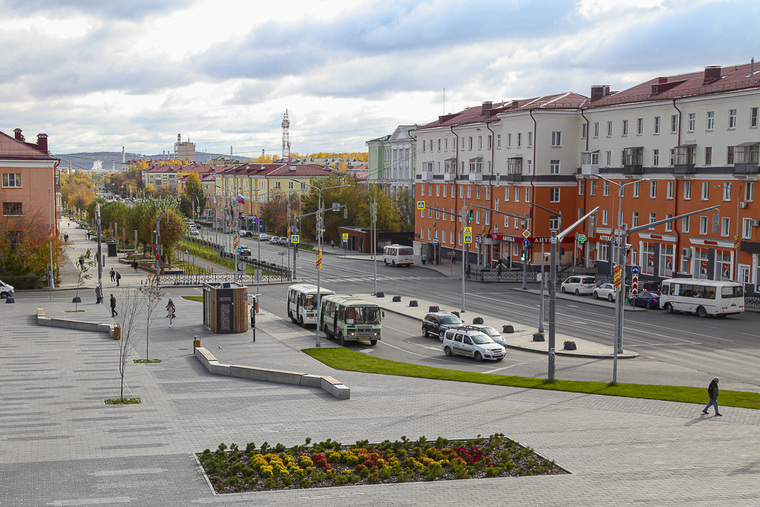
(115, 276)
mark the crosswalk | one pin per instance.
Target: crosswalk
(371, 278)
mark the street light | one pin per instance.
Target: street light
(619, 208)
(736, 238)
(319, 243)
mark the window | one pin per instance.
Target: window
(692, 122)
(673, 123)
(530, 138)
(439, 145)
(656, 124)
(527, 194)
(554, 223)
(705, 190)
(730, 155)
(727, 191)
(592, 188)
(605, 219)
(584, 129)
(647, 258)
(437, 190)
(670, 189)
(753, 120)
(652, 219)
(444, 190)
(746, 228)
(554, 167)
(723, 265)
(469, 143)
(636, 189)
(708, 155)
(668, 225)
(581, 187)
(606, 188)
(710, 120)
(506, 193)
(635, 219)
(725, 225)
(519, 140)
(516, 223)
(596, 129)
(11, 180)
(732, 118)
(488, 194)
(666, 260)
(685, 225)
(625, 127)
(655, 157)
(477, 193)
(749, 187)
(639, 126)
(12, 209)
(609, 158)
(498, 141)
(277, 184)
(517, 194)
(687, 190)
(556, 138)
(509, 140)
(703, 225)
(480, 142)
(554, 195)
(609, 129)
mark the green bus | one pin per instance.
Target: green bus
(349, 318)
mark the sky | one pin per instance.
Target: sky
(99, 75)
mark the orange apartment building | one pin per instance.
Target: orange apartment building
(28, 186)
(674, 145)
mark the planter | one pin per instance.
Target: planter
(538, 337)
(413, 303)
(477, 320)
(380, 295)
(507, 328)
(76, 300)
(433, 309)
(396, 299)
(569, 345)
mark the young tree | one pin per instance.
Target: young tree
(130, 309)
(84, 263)
(152, 294)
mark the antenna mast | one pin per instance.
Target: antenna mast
(285, 137)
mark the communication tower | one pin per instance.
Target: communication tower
(285, 137)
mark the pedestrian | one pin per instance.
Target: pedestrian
(424, 258)
(499, 270)
(118, 278)
(98, 294)
(170, 312)
(88, 234)
(712, 392)
(332, 243)
(114, 313)
(113, 275)
(135, 264)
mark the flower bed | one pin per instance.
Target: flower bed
(330, 463)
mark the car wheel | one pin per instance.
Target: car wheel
(4, 295)
(290, 314)
(610, 298)
(373, 342)
(424, 331)
(562, 290)
(478, 356)
(701, 312)
(669, 308)
(577, 292)
(447, 351)
(441, 336)
(649, 305)
(596, 295)
(393, 262)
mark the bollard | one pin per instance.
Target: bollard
(413, 303)
(538, 337)
(507, 328)
(396, 299)
(196, 342)
(477, 320)
(433, 309)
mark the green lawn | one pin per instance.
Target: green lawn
(345, 359)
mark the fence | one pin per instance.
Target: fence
(242, 278)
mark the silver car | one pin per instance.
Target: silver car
(6, 291)
(472, 344)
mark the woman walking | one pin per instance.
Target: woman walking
(170, 312)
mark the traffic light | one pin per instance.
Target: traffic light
(562, 249)
(470, 216)
(522, 255)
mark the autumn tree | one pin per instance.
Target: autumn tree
(153, 294)
(194, 195)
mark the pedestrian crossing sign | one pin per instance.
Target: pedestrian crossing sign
(420, 204)
(468, 230)
(468, 238)
(295, 238)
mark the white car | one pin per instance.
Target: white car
(605, 291)
(263, 237)
(472, 344)
(6, 291)
(579, 285)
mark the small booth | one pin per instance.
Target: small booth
(225, 307)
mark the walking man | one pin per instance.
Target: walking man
(118, 278)
(98, 294)
(114, 313)
(712, 391)
(113, 275)
(170, 312)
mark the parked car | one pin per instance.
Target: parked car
(263, 237)
(194, 232)
(245, 250)
(273, 240)
(245, 234)
(472, 343)
(579, 285)
(283, 241)
(646, 299)
(605, 291)
(437, 322)
(6, 291)
(652, 287)
(490, 331)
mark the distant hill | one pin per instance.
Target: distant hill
(109, 160)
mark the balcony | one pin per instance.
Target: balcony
(449, 176)
(476, 177)
(746, 157)
(747, 168)
(589, 162)
(633, 160)
(589, 169)
(513, 177)
(685, 159)
(684, 168)
(427, 175)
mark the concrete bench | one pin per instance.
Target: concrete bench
(335, 387)
(80, 325)
(40, 313)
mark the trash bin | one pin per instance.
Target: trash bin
(112, 249)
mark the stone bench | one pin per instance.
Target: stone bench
(329, 384)
(80, 325)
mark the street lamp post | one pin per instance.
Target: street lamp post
(320, 218)
(736, 237)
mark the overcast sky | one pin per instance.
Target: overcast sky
(96, 75)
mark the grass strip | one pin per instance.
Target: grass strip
(345, 359)
(194, 298)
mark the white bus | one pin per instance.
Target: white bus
(302, 303)
(703, 297)
(398, 255)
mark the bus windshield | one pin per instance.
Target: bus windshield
(309, 301)
(367, 315)
(732, 291)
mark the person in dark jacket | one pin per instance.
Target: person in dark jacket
(114, 313)
(712, 391)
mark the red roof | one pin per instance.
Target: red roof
(10, 148)
(712, 80)
(279, 169)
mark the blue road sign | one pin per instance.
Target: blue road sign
(635, 270)
(526, 243)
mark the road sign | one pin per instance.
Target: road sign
(468, 238)
(468, 230)
(617, 276)
(345, 236)
(581, 238)
(736, 242)
(420, 204)
(635, 270)
(295, 238)
(526, 233)
(319, 260)
(236, 241)
(526, 243)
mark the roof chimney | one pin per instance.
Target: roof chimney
(514, 104)
(752, 66)
(712, 74)
(19, 136)
(42, 143)
(487, 105)
(599, 91)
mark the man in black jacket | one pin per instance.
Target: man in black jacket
(712, 391)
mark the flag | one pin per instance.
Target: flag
(240, 199)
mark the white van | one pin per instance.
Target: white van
(398, 255)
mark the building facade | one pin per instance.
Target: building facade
(393, 159)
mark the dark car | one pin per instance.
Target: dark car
(646, 299)
(437, 322)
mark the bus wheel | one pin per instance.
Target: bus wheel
(300, 320)
(373, 342)
(290, 314)
(669, 308)
(340, 339)
(385, 262)
(701, 312)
